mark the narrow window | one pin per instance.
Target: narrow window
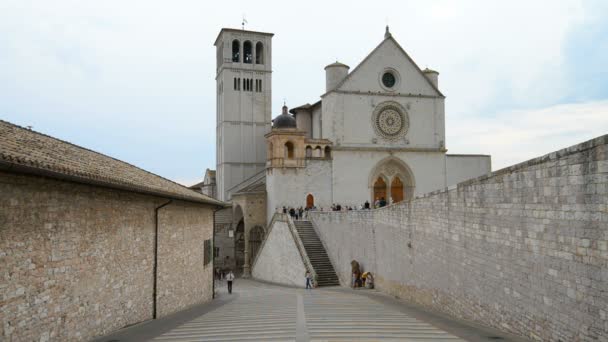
(238, 84)
(259, 53)
(247, 53)
(289, 150)
(260, 86)
(236, 51)
(251, 84)
(235, 83)
(327, 152)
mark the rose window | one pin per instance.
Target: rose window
(390, 121)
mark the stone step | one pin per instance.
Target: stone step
(326, 275)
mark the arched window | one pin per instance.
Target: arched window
(236, 51)
(308, 151)
(317, 152)
(259, 53)
(310, 201)
(269, 156)
(247, 53)
(289, 150)
(327, 152)
(396, 190)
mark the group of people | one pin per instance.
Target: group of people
(296, 214)
(301, 213)
(360, 279)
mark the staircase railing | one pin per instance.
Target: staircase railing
(301, 248)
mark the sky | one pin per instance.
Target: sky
(136, 79)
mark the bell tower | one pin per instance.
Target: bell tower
(243, 105)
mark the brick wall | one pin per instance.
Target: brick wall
(524, 250)
(76, 261)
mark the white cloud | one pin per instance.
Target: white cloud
(145, 69)
(512, 137)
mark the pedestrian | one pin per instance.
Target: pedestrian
(366, 205)
(230, 279)
(308, 280)
(382, 202)
(292, 213)
(301, 211)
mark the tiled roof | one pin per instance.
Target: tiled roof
(26, 151)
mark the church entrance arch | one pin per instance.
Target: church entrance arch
(392, 179)
(256, 235)
(396, 190)
(379, 189)
(310, 201)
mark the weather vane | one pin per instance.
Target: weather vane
(244, 21)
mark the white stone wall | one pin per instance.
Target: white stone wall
(352, 171)
(462, 167)
(289, 187)
(347, 114)
(279, 261)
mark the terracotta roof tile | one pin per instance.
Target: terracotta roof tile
(24, 150)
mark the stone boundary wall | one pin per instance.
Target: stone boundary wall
(524, 249)
(279, 260)
(76, 261)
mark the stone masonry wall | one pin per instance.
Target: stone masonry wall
(524, 249)
(76, 261)
(279, 260)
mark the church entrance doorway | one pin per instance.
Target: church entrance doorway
(256, 235)
(396, 190)
(310, 201)
(379, 189)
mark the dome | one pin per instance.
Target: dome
(285, 120)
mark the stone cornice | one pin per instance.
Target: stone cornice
(387, 94)
(388, 148)
(232, 68)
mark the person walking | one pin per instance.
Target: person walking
(308, 280)
(230, 279)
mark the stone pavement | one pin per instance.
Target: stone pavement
(263, 312)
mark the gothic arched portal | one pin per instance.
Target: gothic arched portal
(396, 190)
(379, 189)
(392, 179)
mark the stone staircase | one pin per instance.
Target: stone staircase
(326, 276)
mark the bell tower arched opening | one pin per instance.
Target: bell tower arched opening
(236, 51)
(259, 53)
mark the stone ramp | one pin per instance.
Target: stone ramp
(272, 313)
(326, 275)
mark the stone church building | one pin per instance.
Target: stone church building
(376, 132)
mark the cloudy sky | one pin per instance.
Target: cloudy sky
(135, 79)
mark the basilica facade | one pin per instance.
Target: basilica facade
(377, 131)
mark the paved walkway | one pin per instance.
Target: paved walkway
(262, 312)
